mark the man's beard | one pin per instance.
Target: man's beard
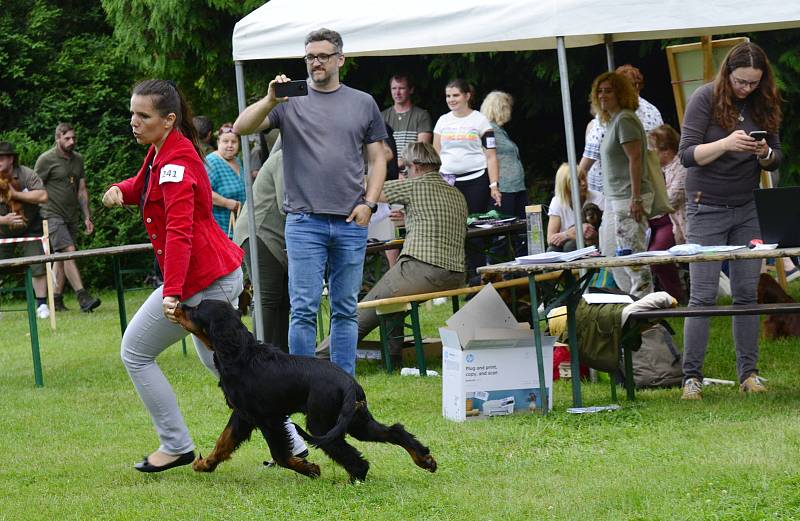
(320, 80)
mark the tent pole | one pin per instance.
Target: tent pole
(566, 102)
(609, 41)
(251, 214)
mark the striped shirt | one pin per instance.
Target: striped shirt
(407, 125)
(436, 219)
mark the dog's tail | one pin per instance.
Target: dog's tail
(346, 414)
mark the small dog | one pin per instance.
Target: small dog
(263, 385)
(777, 326)
(592, 214)
(14, 206)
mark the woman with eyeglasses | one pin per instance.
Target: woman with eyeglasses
(225, 173)
(723, 166)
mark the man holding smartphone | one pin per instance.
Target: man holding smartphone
(327, 208)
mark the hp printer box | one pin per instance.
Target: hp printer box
(489, 362)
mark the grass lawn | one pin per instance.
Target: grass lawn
(70, 446)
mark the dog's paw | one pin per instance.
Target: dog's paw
(427, 462)
(313, 470)
(202, 465)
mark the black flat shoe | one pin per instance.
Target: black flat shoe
(183, 459)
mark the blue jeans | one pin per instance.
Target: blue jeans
(312, 241)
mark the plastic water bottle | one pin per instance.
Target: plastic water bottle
(533, 217)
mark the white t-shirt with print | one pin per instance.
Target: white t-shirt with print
(460, 138)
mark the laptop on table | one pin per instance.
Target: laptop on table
(778, 212)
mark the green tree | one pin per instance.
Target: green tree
(58, 63)
(188, 41)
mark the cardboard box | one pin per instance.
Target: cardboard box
(489, 362)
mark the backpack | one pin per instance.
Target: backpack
(657, 363)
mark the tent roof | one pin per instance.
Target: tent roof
(379, 28)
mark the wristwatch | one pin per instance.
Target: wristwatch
(373, 207)
(768, 157)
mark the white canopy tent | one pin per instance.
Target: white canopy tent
(375, 28)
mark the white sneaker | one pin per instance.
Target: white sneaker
(299, 447)
(43, 311)
(724, 289)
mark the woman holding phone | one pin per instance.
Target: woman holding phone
(729, 134)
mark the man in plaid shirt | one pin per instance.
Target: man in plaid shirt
(432, 258)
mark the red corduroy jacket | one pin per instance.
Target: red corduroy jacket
(190, 247)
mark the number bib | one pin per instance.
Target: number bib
(171, 174)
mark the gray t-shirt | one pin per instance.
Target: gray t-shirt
(407, 125)
(323, 137)
(731, 178)
(624, 128)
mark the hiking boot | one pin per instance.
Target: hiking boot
(87, 302)
(753, 384)
(43, 311)
(692, 389)
(58, 303)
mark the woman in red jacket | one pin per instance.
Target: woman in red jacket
(197, 259)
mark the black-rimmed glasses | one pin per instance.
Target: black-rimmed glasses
(322, 57)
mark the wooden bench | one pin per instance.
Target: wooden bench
(393, 311)
(654, 315)
(717, 311)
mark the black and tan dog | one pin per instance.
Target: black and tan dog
(777, 326)
(263, 385)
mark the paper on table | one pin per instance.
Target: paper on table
(556, 256)
(607, 298)
(653, 253)
(694, 249)
(707, 249)
(766, 246)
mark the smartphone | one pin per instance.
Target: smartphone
(758, 135)
(291, 88)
